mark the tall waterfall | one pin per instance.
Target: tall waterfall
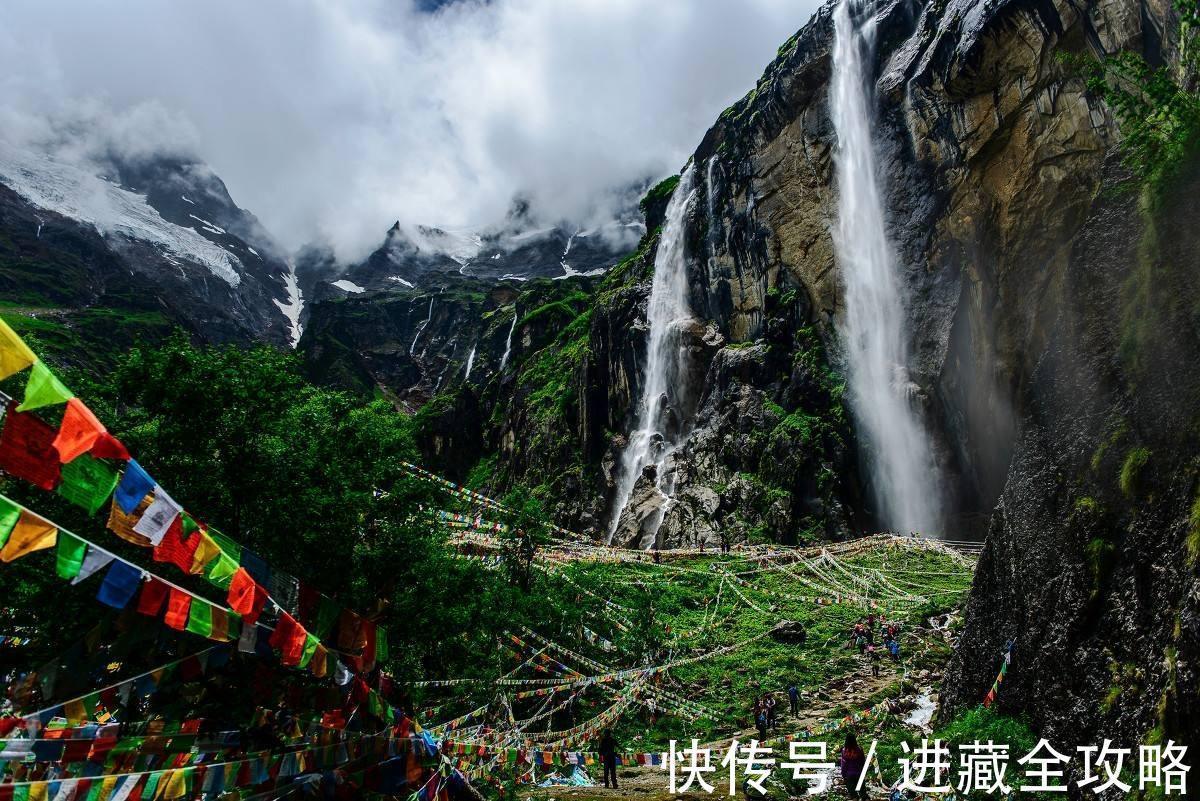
(508, 342)
(873, 329)
(661, 415)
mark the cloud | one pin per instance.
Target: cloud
(329, 119)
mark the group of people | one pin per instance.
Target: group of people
(872, 628)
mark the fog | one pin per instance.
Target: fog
(330, 119)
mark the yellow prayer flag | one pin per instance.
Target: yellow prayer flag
(206, 551)
(106, 788)
(172, 785)
(74, 711)
(37, 791)
(28, 535)
(15, 355)
(319, 664)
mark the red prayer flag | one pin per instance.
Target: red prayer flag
(288, 638)
(109, 447)
(177, 609)
(246, 597)
(79, 431)
(154, 592)
(27, 449)
(175, 549)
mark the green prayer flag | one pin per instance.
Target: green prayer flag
(10, 513)
(87, 482)
(327, 615)
(189, 525)
(21, 792)
(200, 618)
(70, 554)
(220, 570)
(43, 389)
(151, 784)
(227, 546)
(310, 647)
(381, 645)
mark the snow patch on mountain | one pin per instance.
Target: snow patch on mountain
(295, 304)
(348, 286)
(73, 192)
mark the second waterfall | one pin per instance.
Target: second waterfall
(664, 411)
(874, 330)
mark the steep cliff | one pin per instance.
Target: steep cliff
(1052, 323)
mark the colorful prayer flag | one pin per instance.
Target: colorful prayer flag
(158, 517)
(120, 584)
(135, 485)
(10, 513)
(43, 389)
(246, 597)
(78, 432)
(178, 605)
(93, 561)
(27, 449)
(87, 482)
(154, 592)
(30, 534)
(15, 355)
(200, 618)
(70, 555)
(174, 548)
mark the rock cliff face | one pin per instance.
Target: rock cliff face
(1052, 327)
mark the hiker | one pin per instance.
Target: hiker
(608, 756)
(873, 654)
(794, 699)
(769, 704)
(894, 650)
(760, 721)
(852, 762)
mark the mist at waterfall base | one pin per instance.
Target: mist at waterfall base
(662, 415)
(872, 329)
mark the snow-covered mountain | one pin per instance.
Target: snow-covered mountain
(167, 226)
(517, 249)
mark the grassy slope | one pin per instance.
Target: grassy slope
(669, 600)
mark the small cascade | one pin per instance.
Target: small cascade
(710, 191)
(470, 362)
(508, 342)
(662, 413)
(873, 329)
(417, 335)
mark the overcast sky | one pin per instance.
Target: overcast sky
(330, 119)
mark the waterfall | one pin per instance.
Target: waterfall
(662, 412)
(873, 330)
(508, 342)
(470, 362)
(417, 335)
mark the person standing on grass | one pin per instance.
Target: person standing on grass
(852, 762)
(608, 756)
(794, 699)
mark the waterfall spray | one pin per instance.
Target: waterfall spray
(873, 328)
(508, 342)
(470, 362)
(662, 412)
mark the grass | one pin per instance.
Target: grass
(672, 608)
